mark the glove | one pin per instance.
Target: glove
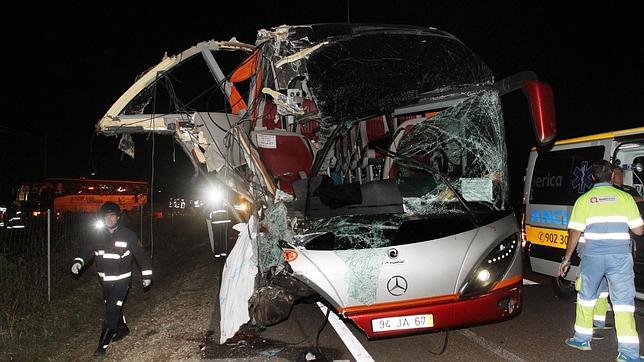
(76, 267)
(147, 282)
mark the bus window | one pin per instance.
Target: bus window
(560, 177)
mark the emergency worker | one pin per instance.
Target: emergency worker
(618, 181)
(115, 247)
(605, 214)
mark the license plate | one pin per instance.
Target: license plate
(404, 322)
(549, 237)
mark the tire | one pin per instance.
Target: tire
(564, 289)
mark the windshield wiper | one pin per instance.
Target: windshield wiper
(417, 164)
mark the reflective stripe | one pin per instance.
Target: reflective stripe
(105, 346)
(100, 252)
(586, 303)
(604, 236)
(623, 308)
(110, 278)
(603, 295)
(601, 318)
(576, 226)
(602, 219)
(583, 330)
(125, 254)
(111, 256)
(119, 303)
(81, 260)
(120, 244)
(628, 339)
(101, 274)
(635, 223)
(221, 222)
(146, 272)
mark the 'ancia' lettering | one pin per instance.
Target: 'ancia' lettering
(547, 216)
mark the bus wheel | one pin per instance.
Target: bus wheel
(564, 289)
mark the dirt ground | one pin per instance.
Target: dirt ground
(171, 321)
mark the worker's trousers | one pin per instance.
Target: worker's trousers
(114, 295)
(618, 270)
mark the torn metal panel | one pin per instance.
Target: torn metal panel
(143, 123)
(126, 144)
(216, 139)
(106, 124)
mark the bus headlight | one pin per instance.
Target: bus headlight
(483, 275)
(490, 269)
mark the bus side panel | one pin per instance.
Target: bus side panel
(91, 203)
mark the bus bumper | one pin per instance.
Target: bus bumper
(496, 305)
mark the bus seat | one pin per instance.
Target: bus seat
(373, 129)
(389, 169)
(374, 132)
(309, 128)
(267, 118)
(287, 155)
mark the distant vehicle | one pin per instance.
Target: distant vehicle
(67, 195)
(377, 156)
(555, 179)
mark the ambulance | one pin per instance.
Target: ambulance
(553, 182)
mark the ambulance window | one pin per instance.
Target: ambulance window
(560, 177)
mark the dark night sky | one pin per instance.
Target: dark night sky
(65, 64)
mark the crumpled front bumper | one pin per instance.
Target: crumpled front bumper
(447, 311)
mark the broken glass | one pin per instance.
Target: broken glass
(465, 143)
(366, 234)
(277, 228)
(367, 71)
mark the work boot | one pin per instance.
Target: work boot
(580, 345)
(121, 332)
(104, 341)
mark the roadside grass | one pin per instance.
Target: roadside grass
(31, 329)
(36, 329)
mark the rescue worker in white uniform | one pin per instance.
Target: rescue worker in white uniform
(605, 214)
(114, 247)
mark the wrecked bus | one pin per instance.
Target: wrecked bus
(375, 160)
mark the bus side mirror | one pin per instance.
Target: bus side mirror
(542, 110)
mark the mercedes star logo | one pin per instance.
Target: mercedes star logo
(397, 285)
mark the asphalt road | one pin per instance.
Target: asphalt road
(537, 334)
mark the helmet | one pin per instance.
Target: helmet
(109, 207)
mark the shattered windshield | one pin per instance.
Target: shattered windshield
(464, 146)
